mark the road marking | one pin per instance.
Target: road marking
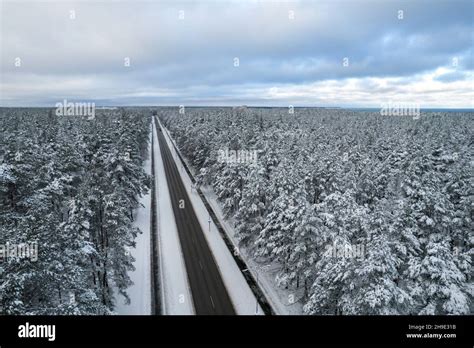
(212, 302)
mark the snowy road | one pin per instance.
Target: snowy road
(240, 290)
(176, 296)
(209, 293)
(175, 292)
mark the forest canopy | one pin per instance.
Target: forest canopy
(69, 186)
(395, 191)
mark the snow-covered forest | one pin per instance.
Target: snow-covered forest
(69, 184)
(364, 213)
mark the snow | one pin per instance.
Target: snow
(239, 291)
(176, 295)
(5, 172)
(342, 228)
(282, 301)
(140, 291)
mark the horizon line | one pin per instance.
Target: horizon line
(231, 106)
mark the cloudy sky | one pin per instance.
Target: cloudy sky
(303, 53)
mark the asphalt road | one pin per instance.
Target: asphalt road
(207, 287)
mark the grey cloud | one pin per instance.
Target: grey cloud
(196, 54)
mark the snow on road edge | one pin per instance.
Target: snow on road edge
(176, 294)
(279, 298)
(140, 291)
(239, 291)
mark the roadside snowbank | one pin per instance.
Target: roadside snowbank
(239, 291)
(140, 291)
(176, 294)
